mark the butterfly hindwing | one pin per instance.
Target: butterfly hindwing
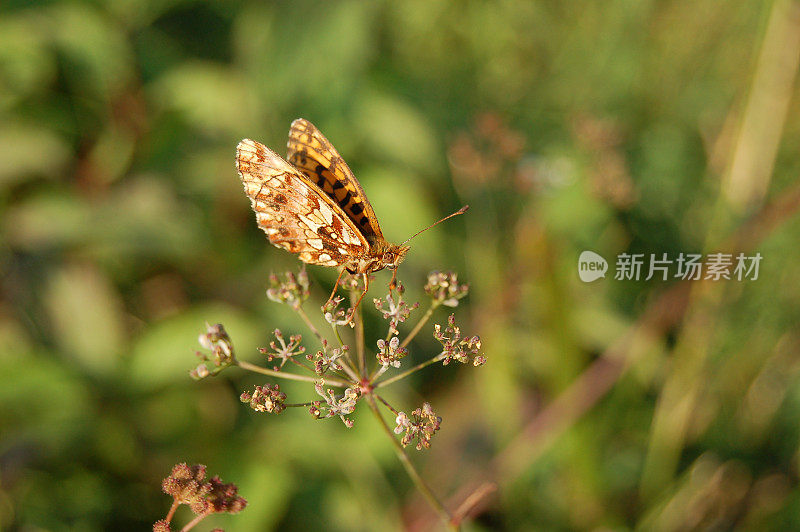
(293, 212)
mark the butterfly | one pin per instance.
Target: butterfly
(312, 205)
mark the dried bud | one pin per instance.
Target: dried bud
(457, 348)
(185, 485)
(421, 426)
(224, 498)
(265, 399)
(444, 289)
(389, 353)
(336, 316)
(282, 350)
(337, 405)
(396, 312)
(325, 361)
(219, 343)
(293, 291)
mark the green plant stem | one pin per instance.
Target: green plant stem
(345, 361)
(289, 376)
(338, 336)
(421, 323)
(419, 483)
(359, 317)
(360, 345)
(408, 372)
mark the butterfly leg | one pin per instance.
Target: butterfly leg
(353, 310)
(336, 285)
(366, 287)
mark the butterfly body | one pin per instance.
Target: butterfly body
(312, 205)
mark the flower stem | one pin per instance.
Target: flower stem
(422, 321)
(408, 372)
(307, 320)
(289, 376)
(390, 407)
(172, 509)
(359, 317)
(191, 524)
(419, 483)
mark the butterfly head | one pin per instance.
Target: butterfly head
(393, 255)
(386, 255)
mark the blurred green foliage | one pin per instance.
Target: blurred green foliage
(566, 126)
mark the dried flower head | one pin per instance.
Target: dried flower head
(282, 350)
(421, 426)
(395, 311)
(336, 406)
(457, 348)
(224, 498)
(336, 316)
(389, 353)
(444, 288)
(269, 399)
(293, 291)
(186, 485)
(325, 361)
(219, 343)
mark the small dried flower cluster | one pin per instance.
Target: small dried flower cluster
(186, 484)
(265, 398)
(323, 361)
(342, 406)
(454, 347)
(421, 426)
(293, 291)
(336, 316)
(219, 343)
(444, 288)
(354, 377)
(282, 350)
(389, 353)
(396, 311)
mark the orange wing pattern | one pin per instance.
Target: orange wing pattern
(293, 212)
(316, 157)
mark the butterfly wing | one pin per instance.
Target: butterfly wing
(294, 212)
(316, 157)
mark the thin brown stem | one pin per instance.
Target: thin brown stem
(289, 376)
(307, 320)
(359, 316)
(301, 364)
(191, 524)
(408, 372)
(171, 512)
(421, 323)
(418, 481)
(390, 407)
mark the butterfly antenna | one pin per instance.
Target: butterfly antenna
(462, 210)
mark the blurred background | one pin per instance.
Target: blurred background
(621, 127)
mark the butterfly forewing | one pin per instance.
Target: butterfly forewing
(294, 212)
(316, 157)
